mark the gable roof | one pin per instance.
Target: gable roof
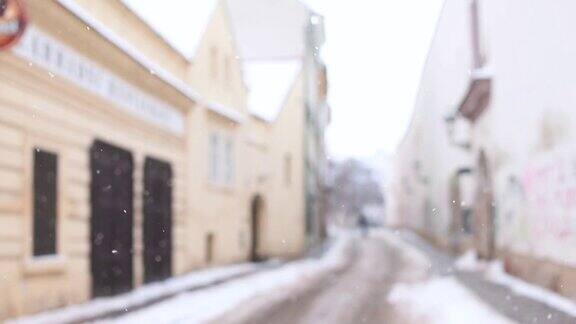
(272, 57)
(180, 23)
(269, 83)
(285, 24)
(271, 39)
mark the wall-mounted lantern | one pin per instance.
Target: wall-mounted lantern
(419, 172)
(458, 130)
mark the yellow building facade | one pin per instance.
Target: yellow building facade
(260, 202)
(123, 162)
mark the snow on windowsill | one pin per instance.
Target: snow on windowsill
(54, 263)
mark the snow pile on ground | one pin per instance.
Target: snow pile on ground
(139, 296)
(209, 304)
(469, 262)
(495, 273)
(443, 301)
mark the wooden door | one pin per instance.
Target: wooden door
(255, 220)
(111, 220)
(157, 220)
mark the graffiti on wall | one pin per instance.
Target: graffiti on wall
(550, 187)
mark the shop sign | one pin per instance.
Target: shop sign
(13, 22)
(60, 60)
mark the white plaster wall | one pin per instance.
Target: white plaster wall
(528, 130)
(444, 82)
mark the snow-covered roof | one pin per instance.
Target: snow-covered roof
(269, 84)
(284, 35)
(271, 56)
(131, 51)
(181, 23)
(226, 112)
(481, 73)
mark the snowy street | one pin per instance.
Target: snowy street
(386, 278)
(357, 293)
(287, 162)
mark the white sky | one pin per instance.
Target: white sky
(375, 52)
(181, 22)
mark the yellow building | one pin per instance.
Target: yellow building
(124, 162)
(251, 205)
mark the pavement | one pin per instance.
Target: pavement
(518, 308)
(358, 292)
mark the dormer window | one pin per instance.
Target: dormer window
(214, 62)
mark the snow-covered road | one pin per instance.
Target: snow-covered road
(379, 279)
(356, 294)
(388, 277)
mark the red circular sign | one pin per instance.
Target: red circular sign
(13, 22)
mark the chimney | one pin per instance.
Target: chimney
(477, 55)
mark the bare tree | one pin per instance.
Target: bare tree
(352, 186)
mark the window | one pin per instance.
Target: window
(214, 157)
(221, 159)
(229, 161)
(467, 218)
(288, 169)
(45, 202)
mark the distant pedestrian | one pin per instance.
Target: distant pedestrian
(363, 224)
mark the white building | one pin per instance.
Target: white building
(493, 133)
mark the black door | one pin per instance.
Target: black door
(157, 220)
(112, 219)
(255, 215)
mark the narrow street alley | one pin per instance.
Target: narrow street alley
(356, 294)
(287, 162)
(384, 278)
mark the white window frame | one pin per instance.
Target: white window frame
(221, 159)
(214, 157)
(229, 161)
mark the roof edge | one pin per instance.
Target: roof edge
(129, 50)
(153, 30)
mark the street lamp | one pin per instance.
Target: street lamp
(452, 121)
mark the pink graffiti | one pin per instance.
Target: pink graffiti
(550, 190)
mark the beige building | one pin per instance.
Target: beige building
(123, 161)
(264, 129)
(487, 162)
